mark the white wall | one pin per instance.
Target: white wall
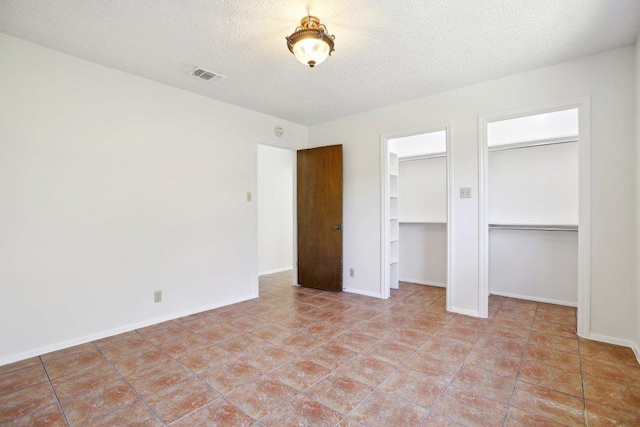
(275, 209)
(534, 185)
(420, 144)
(423, 254)
(535, 265)
(608, 79)
(557, 124)
(422, 188)
(112, 187)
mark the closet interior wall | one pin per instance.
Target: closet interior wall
(423, 220)
(533, 219)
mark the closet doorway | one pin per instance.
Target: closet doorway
(416, 226)
(534, 206)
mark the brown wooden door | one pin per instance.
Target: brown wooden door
(320, 218)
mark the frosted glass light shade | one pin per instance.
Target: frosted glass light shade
(311, 43)
(311, 51)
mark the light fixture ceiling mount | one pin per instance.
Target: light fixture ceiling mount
(311, 43)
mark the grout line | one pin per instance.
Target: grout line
(130, 386)
(522, 359)
(584, 396)
(430, 409)
(449, 384)
(265, 373)
(224, 396)
(64, 415)
(397, 367)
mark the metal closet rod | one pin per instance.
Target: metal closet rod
(546, 227)
(536, 143)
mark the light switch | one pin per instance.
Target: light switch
(465, 192)
(248, 196)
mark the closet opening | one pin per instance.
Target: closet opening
(534, 225)
(416, 215)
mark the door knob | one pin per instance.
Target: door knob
(338, 227)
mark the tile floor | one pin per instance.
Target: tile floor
(303, 357)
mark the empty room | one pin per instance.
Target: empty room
(263, 213)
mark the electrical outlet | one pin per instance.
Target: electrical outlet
(352, 272)
(157, 296)
(465, 192)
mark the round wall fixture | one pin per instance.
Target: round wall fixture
(279, 131)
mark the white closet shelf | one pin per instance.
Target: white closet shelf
(423, 222)
(539, 227)
(535, 143)
(422, 157)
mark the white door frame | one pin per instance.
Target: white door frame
(385, 204)
(256, 196)
(584, 209)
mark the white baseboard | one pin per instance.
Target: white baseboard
(361, 292)
(115, 331)
(537, 299)
(617, 341)
(277, 270)
(423, 282)
(636, 351)
(473, 313)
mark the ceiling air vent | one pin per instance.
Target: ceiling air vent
(210, 76)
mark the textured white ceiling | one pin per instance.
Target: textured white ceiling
(386, 51)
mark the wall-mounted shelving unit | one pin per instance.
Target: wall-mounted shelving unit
(394, 222)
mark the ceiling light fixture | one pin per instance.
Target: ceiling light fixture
(311, 43)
